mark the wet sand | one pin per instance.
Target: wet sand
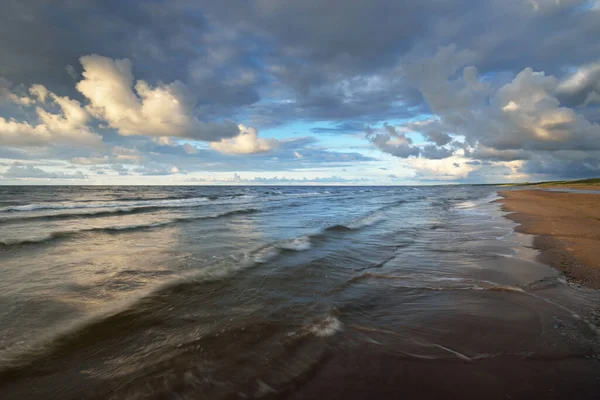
(371, 375)
(567, 229)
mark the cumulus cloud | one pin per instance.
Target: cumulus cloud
(137, 108)
(247, 142)
(503, 121)
(20, 171)
(39, 92)
(68, 126)
(6, 94)
(523, 114)
(449, 169)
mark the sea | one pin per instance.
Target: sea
(214, 292)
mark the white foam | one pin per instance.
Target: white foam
(264, 254)
(328, 327)
(267, 252)
(297, 244)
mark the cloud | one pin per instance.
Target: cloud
(157, 170)
(388, 140)
(39, 92)
(68, 126)
(430, 129)
(6, 94)
(343, 127)
(582, 87)
(435, 153)
(183, 70)
(247, 142)
(120, 169)
(94, 160)
(19, 171)
(189, 149)
(276, 180)
(126, 155)
(523, 114)
(140, 109)
(449, 169)
(520, 119)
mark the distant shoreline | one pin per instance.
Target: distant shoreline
(566, 226)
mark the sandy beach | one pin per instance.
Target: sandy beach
(567, 229)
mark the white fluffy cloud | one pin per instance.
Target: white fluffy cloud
(449, 169)
(247, 142)
(137, 108)
(68, 126)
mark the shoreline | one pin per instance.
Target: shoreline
(566, 227)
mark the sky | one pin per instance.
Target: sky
(348, 92)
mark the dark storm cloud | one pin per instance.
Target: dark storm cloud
(42, 42)
(322, 53)
(41, 38)
(230, 49)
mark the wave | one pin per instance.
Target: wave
(477, 202)
(84, 214)
(116, 229)
(297, 244)
(268, 252)
(370, 219)
(106, 205)
(338, 228)
(93, 208)
(302, 243)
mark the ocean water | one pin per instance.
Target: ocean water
(283, 292)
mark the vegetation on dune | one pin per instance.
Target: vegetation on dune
(578, 182)
(587, 182)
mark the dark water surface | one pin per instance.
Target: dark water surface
(283, 292)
